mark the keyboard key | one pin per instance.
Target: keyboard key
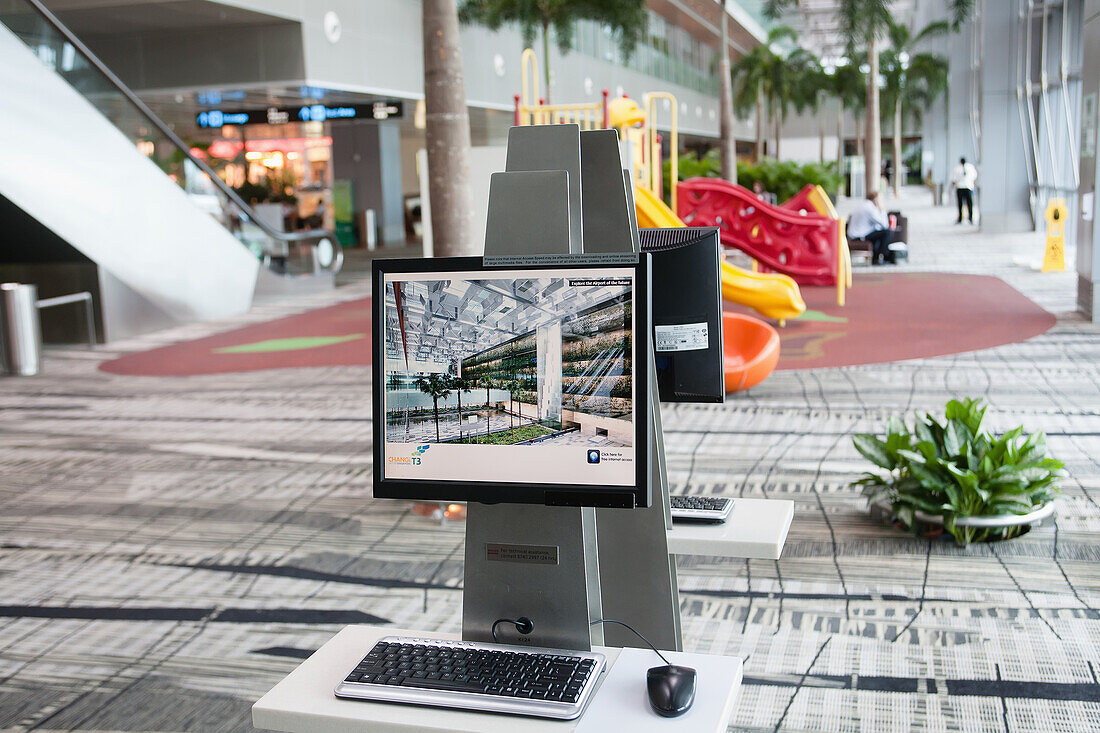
(452, 685)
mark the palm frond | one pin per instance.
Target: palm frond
(961, 11)
(775, 8)
(934, 29)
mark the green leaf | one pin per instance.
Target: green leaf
(905, 515)
(929, 506)
(911, 456)
(1034, 448)
(952, 441)
(924, 433)
(927, 449)
(928, 478)
(896, 441)
(874, 450)
(956, 438)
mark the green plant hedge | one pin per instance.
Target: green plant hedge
(955, 469)
(784, 178)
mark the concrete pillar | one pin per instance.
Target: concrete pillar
(1004, 199)
(1088, 274)
(369, 154)
(548, 344)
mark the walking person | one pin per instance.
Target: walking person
(963, 179)
(869, 222)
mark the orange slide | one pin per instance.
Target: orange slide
(750, 346)
(751, 350)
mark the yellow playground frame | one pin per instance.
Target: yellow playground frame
(623, 114)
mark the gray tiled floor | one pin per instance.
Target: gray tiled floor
(170, 547)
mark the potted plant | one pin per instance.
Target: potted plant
(977, 485)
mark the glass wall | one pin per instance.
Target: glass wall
(668, 53)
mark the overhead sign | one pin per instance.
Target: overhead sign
(381, 110)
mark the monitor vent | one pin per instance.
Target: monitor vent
(665, 238)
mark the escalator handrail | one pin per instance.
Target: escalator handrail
(309, 234)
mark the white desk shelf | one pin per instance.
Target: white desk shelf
(755, 529)
(303, 702)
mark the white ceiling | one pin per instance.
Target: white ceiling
(818, 28)
(447, 320)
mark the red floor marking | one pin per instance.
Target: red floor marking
(200, 357)
(891, 316)
(896, 316)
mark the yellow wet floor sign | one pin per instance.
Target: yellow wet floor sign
(1055, 258)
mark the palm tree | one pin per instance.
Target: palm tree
(459, 384)
(846, 83)
(437, 386)
(627, 19)
(764, 77)
(808, 89)
(447, 132)
(513, 386)
(913, 80)
(728, 139)
(863, 23)
(488, 383)
(749, 90)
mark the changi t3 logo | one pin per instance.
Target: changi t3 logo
(413, 460)
(593, 456)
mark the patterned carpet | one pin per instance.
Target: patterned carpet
(169, 548)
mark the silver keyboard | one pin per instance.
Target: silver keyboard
(498, 678)
(692, 508)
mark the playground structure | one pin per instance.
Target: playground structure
(770, 294)
(531, 109)
(802, 238)
(751, 346)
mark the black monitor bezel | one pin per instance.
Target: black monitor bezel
(550, 494)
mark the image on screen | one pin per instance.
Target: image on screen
(502, 376)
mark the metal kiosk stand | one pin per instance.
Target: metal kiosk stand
(572, 565)
(565, 192)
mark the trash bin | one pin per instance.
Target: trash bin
(20, 334)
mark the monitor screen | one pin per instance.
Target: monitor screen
(511, 384)
(687, 313)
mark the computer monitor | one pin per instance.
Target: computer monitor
(687, 312)
(512, 384)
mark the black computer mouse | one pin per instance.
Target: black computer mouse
(671, 689)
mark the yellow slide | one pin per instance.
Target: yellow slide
(771, 294)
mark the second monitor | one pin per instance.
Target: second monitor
(519, 384)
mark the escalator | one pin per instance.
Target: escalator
(162, 240)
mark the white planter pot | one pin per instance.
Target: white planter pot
(996, 522)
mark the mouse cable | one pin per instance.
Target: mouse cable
(635, 631)
(523, 625)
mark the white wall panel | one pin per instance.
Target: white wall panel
(71, 169)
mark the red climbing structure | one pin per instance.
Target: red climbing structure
(801, 245)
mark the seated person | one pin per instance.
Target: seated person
(870, 222)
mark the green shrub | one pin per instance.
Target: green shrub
(784, 178)
(955, 469)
